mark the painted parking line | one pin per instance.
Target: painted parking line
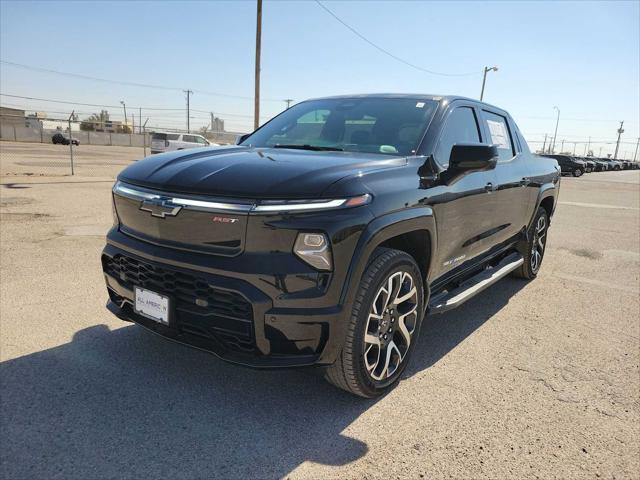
(598, 205)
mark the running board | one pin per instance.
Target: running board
(469, 288)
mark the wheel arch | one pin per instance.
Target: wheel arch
(403, 230)
(547, 199)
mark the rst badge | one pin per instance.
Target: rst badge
(224, 220)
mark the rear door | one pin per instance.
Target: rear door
(189, 141)
(464, 208)
(158, 141)
(513, 185)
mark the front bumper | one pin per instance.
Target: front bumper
(224, 315)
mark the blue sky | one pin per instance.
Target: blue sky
(581, 56)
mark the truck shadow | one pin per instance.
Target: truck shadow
(126, 403)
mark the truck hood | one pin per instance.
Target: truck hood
(252, 172)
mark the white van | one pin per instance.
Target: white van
(168, 142)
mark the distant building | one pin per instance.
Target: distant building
(35, 120)
(218, 125)
(110, 126)
(12, 116)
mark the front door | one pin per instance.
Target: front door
(463, 209)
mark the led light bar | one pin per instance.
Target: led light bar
(266, 207)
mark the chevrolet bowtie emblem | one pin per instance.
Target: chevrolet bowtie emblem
(160, 209)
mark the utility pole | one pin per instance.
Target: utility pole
(635, 155)
(140, 120)
(256, 100)
(484, 79)
(71, 140)
(562, 146)
(574, 148)
(620, 132)
(288, 102)
(555, 135)
(544, 144)
(588, 146)
(189, 93)
(144, 136)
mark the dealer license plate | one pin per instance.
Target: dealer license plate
(152, 305)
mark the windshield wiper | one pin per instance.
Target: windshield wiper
(316, 148)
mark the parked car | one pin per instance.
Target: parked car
(169, 142)
(601, 166)
(589, 165)
(613, 164)
(64, 139)
(569, 165)
(325, 235)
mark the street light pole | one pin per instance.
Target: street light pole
(484, 79)
(256, 99)
(125, 112)
(555, 135)
(620, 132)
(288, 102)
(635, 155)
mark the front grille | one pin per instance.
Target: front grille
(201, 309)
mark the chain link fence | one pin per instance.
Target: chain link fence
(55, 147)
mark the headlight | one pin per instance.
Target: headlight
(313, 248)
(309, 205)
(116, 222)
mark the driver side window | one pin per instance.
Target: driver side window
(461, 127)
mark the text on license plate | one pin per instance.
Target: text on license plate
(152, 305)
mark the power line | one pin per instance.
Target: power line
(122, 82)
(118, 106)
(84, 104)
(388, 53)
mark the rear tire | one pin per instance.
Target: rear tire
(383, 327)
(577, 172)
(535, 247)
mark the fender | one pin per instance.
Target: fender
(379, 230)
(546, 190)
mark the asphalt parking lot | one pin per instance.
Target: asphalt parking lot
(527, 380)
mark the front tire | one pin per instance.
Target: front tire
(535, 247)
(383, 326)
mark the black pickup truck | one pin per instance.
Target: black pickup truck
(325, 236)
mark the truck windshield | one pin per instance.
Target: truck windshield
(390, 126)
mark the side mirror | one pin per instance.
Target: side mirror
(467, 157)
(242, 138)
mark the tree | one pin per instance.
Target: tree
(88, 124)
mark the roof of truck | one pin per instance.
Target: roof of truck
(422, 96)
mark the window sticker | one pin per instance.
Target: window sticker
(499, 134)
(420, 105)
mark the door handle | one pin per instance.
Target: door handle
(524, 182)
(489, 187)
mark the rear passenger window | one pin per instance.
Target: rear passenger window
(189, 138)
(172, 136)
(499, 134)
(461, 127)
